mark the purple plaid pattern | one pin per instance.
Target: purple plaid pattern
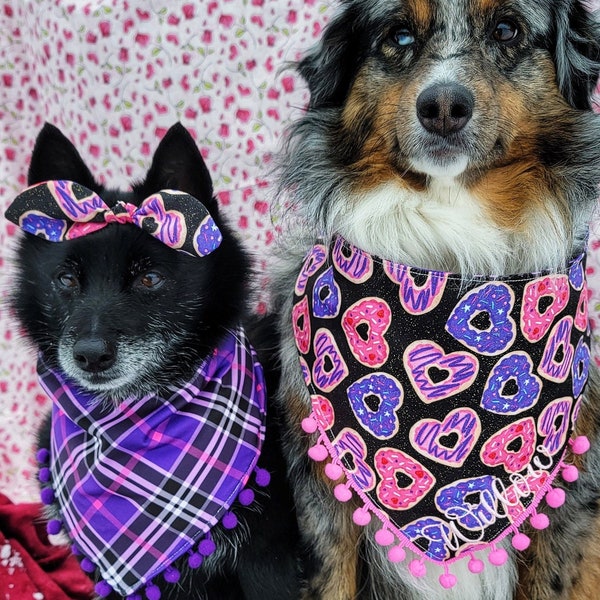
(138, 485)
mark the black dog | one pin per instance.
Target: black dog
(120, 316)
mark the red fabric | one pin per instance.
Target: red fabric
(30, 567)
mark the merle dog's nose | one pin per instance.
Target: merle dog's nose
(94, 354)
(445, 108)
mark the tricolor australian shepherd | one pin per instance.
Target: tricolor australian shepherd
(456, 137)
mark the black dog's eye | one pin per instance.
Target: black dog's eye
(402, 36)
(505, 31)
(151, 280)
(67, 280)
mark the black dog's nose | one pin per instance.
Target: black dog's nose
(445, 108)
(94, 354)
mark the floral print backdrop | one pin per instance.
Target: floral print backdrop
(114, 75)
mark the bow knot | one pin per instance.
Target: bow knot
(122, 212)
(59, 210)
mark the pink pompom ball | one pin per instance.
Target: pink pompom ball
(384, 537)
(361, 517)
(476, 566)
(417, 568)
(580, 445)
(447, 580)
(498, 557)
(396, 554)
(333, 471)
(342, 493)
(570, 473)
(318, 453)
(539, 521)
(555, 498)
(309, 425)
(520, 542)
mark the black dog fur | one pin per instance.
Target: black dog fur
(159, 312)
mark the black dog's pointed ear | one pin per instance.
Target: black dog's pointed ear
(329, 69)
(178, 165)
(55, 157)
(577, 52)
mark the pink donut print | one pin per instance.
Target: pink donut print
(173, 230)
(365, 324)
(353, 264)
(554, 423)
(582, 312)
(576, 410)
(557, 359)
(543, 300)
(322, 411)
(450, 441)
(301, 325)
(313, 261)
(388, 463)
(416, 296)
(512, 447)
(329, 368)
(436, 375)
(75, 200)
(524, 487)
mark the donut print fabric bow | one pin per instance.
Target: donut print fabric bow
(446, 405)
(64, 210)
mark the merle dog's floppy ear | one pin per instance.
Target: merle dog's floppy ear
(330, 67)
(178, 165)
(55, 157)
(577, 52)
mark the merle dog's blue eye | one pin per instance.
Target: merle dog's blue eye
(151, 280)
(403, 36)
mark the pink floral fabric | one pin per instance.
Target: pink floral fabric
(114, 75)
(593, 263)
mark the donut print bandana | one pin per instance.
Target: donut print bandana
(64, 210)
(446, 405)
(143, 483)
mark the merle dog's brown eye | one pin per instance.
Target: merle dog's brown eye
(505, 31)
(151, 281)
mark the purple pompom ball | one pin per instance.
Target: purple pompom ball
(103, 589)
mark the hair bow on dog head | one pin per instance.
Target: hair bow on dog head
(63, 210)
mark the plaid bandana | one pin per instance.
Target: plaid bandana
(447, 404)
(63, 210)
(138, 485)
